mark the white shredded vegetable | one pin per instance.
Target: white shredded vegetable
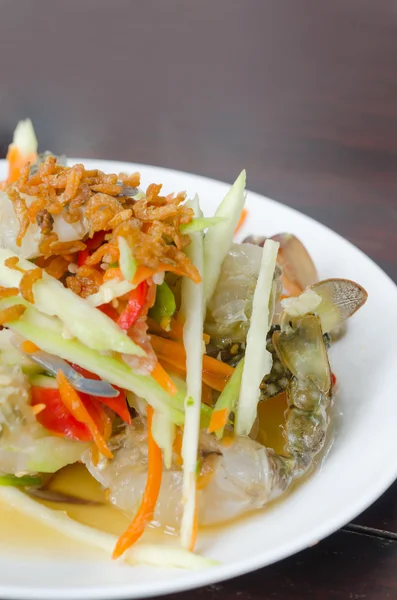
(127, 260)
(163, 432)
(92, 327)
(258, 361)
(193, 311)
(298, 306)
(141, 553)
(25, 137)
(220, 237)
(201, 224)
(110, 290)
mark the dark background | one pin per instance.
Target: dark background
(303, 93)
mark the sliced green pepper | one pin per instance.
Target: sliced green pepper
(25, 480)
(164, 307)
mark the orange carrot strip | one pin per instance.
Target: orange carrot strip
(291, 287)
(142, 273)
(195, 528)
(112, 273)
(241, 220)
(215, 373)
(177, 447)
(172, 368)
(169, 350)
(206, 338)
(216, 382)
(16, 161)
(155, 328)
(76, 407)
(206, 394)
(218, 420)
(217, 367)
(161, 376)
(177, 327)
(146, 510)
(29, 347)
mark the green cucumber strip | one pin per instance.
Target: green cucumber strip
(200, 224)
(44, 381)
(163, 431)
(258, 360)
(219, 238)
(127, 260)
(193, 311)
(14, 481)
(110, 290)
(229, 396)
(165, 555)
(113, 370)
(51, 453)
(92, 327)
(179, 399)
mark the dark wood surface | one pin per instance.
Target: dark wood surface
(303, 93)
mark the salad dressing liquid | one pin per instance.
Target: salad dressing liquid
(18, 530)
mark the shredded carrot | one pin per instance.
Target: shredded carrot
(227, 440)
(171, 351)
(112, 273)
(29, 347)
(173, 269)
(215, 381)
(206, 394)
(163, 379)
(207, 472)
(217, 367)
(149, 500)
(154, 327)
(291, 287)
(142, 273)
(16, 161)
(175, 332)
(218, 420)
(195, 528)
(177, 447)
(76, 407)
(94, 455)
(172, 368)
(241, 220)
(38, 408)
(206, 338)
(216, 374)
(177, 327)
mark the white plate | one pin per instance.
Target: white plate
(358, 469)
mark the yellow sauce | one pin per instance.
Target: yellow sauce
(271, 416)
(75, 480)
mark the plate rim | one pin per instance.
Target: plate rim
(224, 571)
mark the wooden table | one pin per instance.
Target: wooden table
(303, 93)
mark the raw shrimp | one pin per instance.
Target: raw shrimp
(238, 474)
(234, 477)
(9, 227)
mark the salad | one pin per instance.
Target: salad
(140, 340)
